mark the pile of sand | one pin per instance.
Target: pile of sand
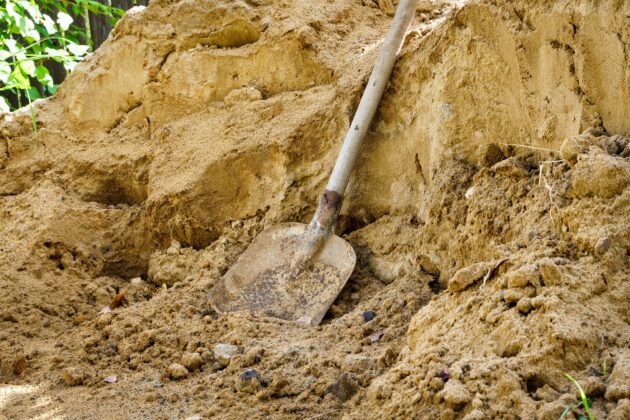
(488, 210)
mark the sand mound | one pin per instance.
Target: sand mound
(489, 213)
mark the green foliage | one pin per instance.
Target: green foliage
(583, 399)
(34, 33)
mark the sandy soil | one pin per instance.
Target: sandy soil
(489, 212)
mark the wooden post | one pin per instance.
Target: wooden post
(99, 24)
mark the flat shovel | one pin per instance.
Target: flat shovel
(296, 271)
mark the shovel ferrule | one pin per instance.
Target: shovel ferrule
(320, 227)
(327, 211)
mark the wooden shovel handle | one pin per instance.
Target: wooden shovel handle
(328, 210)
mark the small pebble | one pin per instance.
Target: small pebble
(137, 281)
(248, 381)
(375, 337)
(110, 379)
(368, 315)
(249, 374)
(225, 352)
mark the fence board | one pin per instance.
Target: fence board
(99, 25)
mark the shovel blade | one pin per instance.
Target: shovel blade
(262, 279)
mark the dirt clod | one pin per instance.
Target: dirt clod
(8, 316)
(345, 387)
(19, 365)
(467, 276)
(177, 371)
(191, 361)
(523, 277)
(619, 381)
(73, 376)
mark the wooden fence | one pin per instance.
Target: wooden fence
(99, 25)
(99, 30)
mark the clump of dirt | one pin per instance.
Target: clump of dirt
(488, 211)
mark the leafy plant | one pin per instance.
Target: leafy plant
(33, 34)
(583, 400)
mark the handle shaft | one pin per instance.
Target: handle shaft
(371, 97)
(331, 200)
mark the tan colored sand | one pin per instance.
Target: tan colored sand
(502, 143)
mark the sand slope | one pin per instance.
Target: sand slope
(489, 211)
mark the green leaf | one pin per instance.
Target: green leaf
(35, 31)
(5, 72)
(11, 86)
(19, 80)
(11, 10)
(32, 110)
(27, 28)
(583, 397)
(566, 411)
(76, 49)
(32, 10)
(33, 93)
(4, 105)
(53, 52)
(49, 24)
(64, 20)
(43, 75)
(12, 45)
(28, 66)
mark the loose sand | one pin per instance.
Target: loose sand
(489, 211)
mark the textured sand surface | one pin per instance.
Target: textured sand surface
(489, 211)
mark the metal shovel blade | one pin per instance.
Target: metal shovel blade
(262, 279)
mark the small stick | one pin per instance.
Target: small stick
(530, 147)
